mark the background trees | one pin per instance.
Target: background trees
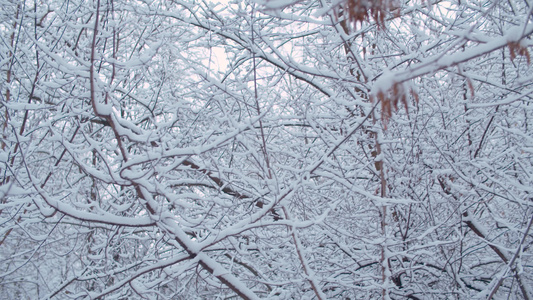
(333, 154)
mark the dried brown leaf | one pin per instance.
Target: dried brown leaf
(515, 48)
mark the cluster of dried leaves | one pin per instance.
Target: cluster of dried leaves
(357, 11)
(390, 100)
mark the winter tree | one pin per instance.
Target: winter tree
(302, 149)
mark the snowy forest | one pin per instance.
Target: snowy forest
(276, 149)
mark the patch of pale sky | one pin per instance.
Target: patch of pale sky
(217, 55)
(218, 58)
